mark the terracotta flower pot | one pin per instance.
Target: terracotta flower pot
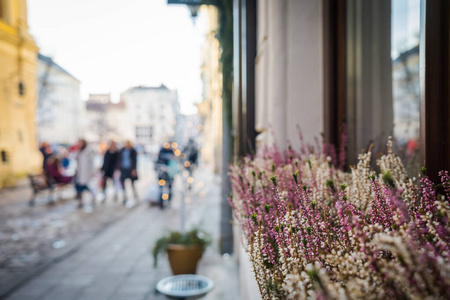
(184, 259)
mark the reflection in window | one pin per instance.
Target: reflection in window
(369, 76)
(383, 78)
(405, 27)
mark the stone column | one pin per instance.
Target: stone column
(277, 79)
(261, 74)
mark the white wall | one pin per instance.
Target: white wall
(155, 107)
(249, 286)
(118, 123)
(289, 76)
(289, 85)
(59, 115)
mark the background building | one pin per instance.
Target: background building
(189, 127)
(406, 95)
(106, 120)
(18, 54)
(118, 126)
(95, 117)
(152, 114)
(406, 92)
(59, 106)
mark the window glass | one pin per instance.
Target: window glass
(405, 26)
(383, 78)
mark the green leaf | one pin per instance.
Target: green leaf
(296, 176)
(274, 179)
(388, 179)
(254, 218)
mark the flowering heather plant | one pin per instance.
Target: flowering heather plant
(313, 231)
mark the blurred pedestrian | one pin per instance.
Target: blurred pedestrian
(46, 151)
(165, 154)
(108, 168)
(85, 170)
(127, 165)
(165, 166)
(53, 170)
(64, 155)
(191, 152)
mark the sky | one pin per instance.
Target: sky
(405, 25)
(111, 45)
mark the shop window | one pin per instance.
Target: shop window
(383, 94)
(405, 26)
(387, 73)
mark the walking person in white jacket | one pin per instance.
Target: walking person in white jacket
(85, 170)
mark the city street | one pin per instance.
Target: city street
(32, 237)
(281, 149)
(112, 262)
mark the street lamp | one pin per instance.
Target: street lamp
(194, 11)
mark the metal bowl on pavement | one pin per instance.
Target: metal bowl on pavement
(185, 286)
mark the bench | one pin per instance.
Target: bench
(41, 182)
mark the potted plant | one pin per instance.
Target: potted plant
(315, 230)
(183, 250)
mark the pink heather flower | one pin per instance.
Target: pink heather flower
(391, 236)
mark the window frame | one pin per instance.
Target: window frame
(434, 80)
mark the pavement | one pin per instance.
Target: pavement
(115, 263)
(31, 238)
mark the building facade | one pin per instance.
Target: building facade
(320, 65)
(106, 120)
(119, 128)
(210, 109)
(96, 129)
(152, 114)
(18, 55)
(59, 105)
(190, 127)
(374, 68)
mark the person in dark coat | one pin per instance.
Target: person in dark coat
(108, 168)
(191, 151)
(127, 165)
(47, 152)
(165, 156)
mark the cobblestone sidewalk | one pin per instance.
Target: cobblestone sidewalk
(117, 263)
(32, 237)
